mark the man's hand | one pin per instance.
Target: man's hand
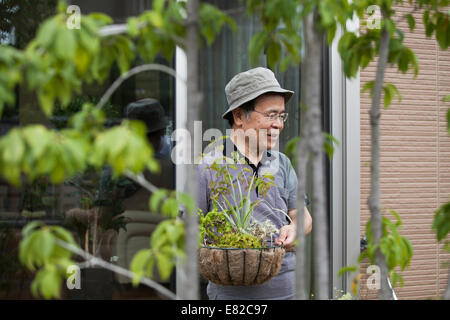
(288, 233)
(287, 237)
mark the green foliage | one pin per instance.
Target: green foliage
(156, 198)
(59, 59)
(68, 151)
(403, 57)
(90, 120)
(441, 224)
(166, 244)
(10, 75)
(331, 13)
(329, 144)
(368, 86)
(279, 38)
(230, 223)
(396, 248)
(37, 151)
(358, 50)
(390, 91)
(448, 121)
(38, 251)
(411, 21)
(437, 23)
(217, 230)
(239, 210)
(158, 31)
(49, 58)
(239, 240)
(447, 99)
(347, 269)
(291, 149)
(124, 148)
(167, 240)
(441, 221)
(211, 22)
(170, 203)
(187, 201)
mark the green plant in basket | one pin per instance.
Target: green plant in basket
(230, 224)
(237, 248)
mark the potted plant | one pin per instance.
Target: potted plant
(96, 224)
(237, 249)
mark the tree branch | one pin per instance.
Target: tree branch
(374, 200)
(190, 279)
(142, 181)
(127, 273)
(134, 71)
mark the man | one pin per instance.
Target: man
(256, 114)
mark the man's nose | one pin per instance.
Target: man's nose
(278, 123)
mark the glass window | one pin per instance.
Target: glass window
(123, 224)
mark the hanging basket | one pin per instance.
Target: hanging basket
(240, 267)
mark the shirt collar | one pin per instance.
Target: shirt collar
(228, 144)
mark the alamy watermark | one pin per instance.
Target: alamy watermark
(74, 277)
(74, 19)
(189, 150)
(374, 280)
(374, 20)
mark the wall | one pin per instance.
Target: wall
(415, 162)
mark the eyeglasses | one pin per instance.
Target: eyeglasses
(273, 116)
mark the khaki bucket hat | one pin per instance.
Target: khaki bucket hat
(250, 84)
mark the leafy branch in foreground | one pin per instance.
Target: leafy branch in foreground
(396, 248)
(71, 150)
(441, 224)
(54, 66)
(53, 260)
(38, 251)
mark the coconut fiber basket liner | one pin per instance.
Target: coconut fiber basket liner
(240, 267)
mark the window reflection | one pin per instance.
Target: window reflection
(109, 218)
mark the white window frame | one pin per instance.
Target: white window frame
(345, 170)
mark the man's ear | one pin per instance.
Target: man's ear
(238, 115)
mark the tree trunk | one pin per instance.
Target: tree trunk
(302, 156)
(374, 201)
(312, 70)
(191, 276)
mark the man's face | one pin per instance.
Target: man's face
(258, 126)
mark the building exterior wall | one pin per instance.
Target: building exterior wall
(415, 162)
